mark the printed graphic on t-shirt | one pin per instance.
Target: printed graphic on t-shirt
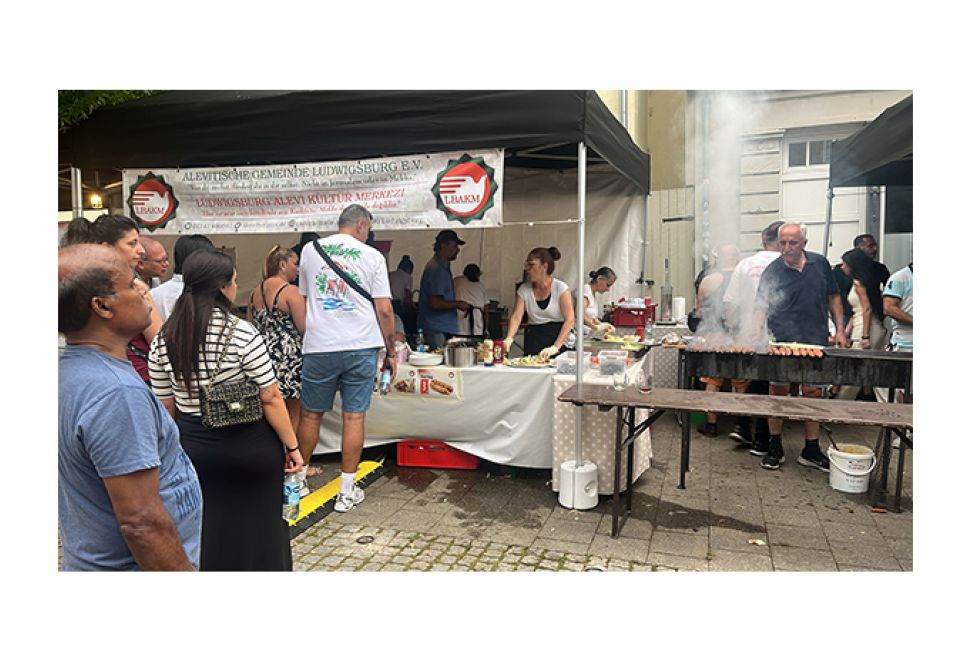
(331, 286)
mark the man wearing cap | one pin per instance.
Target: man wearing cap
(437, 304)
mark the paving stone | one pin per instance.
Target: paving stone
(892, 525)
(541, 544)
(548, 564)
(728, 560)
(619, 548)
(800, 517)
(901, 548)
(633, 528)
(737, 540)
(802, 559)
(688, 545)
(662, 562)
(858, 554)
(799, 537)
(851, 532)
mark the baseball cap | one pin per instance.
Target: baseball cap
(448, 235)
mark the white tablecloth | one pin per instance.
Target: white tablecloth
(505, 417)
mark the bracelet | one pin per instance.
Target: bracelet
(297, 448)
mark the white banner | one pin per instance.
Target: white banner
(456, 189)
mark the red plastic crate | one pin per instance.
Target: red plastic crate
(634, 316)
(433, 454)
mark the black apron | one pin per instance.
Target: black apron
(537, 337)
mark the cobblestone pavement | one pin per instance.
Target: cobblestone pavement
(733, 516)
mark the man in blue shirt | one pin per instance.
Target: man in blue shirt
(795, 295)
(437, 304)
(128, 495)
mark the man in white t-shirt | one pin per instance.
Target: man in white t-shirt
(343, 339)
(739, 312)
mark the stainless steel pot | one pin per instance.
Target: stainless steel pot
(460, 355)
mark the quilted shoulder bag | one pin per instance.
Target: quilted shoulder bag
(229, 404)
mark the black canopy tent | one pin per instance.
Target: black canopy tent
(881, 154)
(537, 129)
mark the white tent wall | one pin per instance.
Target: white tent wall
(614, 235)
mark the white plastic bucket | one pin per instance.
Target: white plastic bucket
(849, 470)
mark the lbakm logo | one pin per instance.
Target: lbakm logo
(151, 201)
(465, 189)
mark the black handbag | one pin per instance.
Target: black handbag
(229, 404)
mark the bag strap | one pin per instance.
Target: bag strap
(225, 348)
(346, 278)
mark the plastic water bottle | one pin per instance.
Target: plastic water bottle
(648, 333)
(420, 347)
(385, 382)
(291, 496)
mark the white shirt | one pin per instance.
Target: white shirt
(337, 317)
(475, 294)
(743, 287)
(400, 281)
(552, 312)
(246, 359)
(166, 294)
(591, 307)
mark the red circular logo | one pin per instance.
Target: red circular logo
(465, 189)
(152, 202)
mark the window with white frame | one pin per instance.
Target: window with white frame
(807, 153)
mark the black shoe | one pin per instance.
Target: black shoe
(812, 456)
(760, 447)
(741, 434)
(707, 429)
(774, 457)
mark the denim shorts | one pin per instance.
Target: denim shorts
(352, 372)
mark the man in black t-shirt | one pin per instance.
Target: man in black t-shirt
(795, 296)
(867, 244)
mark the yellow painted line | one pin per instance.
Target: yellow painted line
(321, 496)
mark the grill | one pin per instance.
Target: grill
(838, 366)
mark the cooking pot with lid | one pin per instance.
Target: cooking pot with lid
(461, 353)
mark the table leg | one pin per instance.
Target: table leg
(899, 476)
(618, 451)
(684, 452)
(629, 463)
(884, 455)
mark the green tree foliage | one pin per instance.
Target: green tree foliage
(74, 106)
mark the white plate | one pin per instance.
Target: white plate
(425, 359)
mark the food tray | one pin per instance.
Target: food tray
(518, 363)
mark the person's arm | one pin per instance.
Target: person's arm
(249, 308)
(860, 291)
(156, 323)
(385, 318)
(515, 320)
(296, 306)
(835, 308)
(568, 319)
(144, 522)
(439, 304)
(169, 405)
(890, 306)
(588, 321)
(274, 410)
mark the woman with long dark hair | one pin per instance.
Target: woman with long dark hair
(121, 233)
(548, 304)
(240, 467)
(861, 328)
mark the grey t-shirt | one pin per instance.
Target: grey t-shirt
(109, 425)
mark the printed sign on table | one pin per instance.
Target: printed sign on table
(433, 383)
(453, 189)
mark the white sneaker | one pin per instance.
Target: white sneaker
(346, 502)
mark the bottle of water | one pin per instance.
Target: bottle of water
(291, 496)
(385, 382)
(420, 347)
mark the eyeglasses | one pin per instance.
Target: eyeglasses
(163, 260)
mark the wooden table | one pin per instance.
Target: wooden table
(897, 417)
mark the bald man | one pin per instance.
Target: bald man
(128, 496)
(154, 262)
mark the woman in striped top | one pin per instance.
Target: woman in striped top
(241, 467)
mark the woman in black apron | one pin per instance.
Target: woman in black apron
(547, 302)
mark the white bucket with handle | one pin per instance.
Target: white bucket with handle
(849, 468)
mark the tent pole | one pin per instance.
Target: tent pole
(828, 221)
(581, 248)
(77, 200)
